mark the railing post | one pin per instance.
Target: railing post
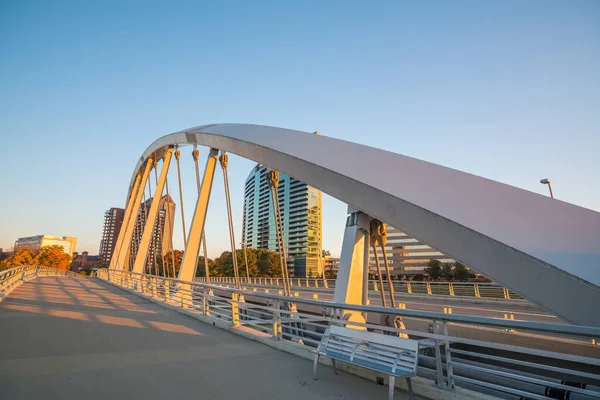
(277, 319)
(506, 294)
(451, 288)
(439, 369)
(428, 288)
(205, 301)
(235, 309)
(449, 369)
(154, 291)
(167, 290)
(477, 294)
(408, 287)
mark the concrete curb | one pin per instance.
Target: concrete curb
(421, 386)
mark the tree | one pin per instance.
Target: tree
(434, 269)
(461, 273)
(326, 253)
(447, 272)
(167, 260)
(261, 262)
(54, 256)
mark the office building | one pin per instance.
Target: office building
(161, 241)
(406, 255)
(300, 206)
(113, 220)
(68, 243)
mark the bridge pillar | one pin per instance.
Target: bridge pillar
(123, 245)
(351, 285)
(142, 255)
(192, 249)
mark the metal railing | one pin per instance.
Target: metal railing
(11, 278)
(449, 352)
(459, 289)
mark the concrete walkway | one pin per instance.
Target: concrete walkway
(78, 338)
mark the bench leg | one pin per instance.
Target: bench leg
(315, 363)
(392, 386)
(409, 384)
(335, 371)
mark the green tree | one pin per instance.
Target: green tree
(200, 270)
(447, 272)
(261, 262)
(165, 263)
(326, 253)
(434, 269)
(461, 273)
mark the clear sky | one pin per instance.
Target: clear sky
(509, 90)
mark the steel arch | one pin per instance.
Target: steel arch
(544, 249)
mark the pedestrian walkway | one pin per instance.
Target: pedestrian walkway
(79, 338)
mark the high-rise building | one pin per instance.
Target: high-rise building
(113, 220)
(300, 206)
(405, 254)
(68, 243)
(161, 241)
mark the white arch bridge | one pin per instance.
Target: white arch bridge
(546, 250)
(543, 249)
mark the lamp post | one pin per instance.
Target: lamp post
(547, 182)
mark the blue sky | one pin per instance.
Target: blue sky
(508, 90)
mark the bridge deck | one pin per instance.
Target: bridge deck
(77, 338)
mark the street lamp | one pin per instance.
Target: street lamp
(547, 182)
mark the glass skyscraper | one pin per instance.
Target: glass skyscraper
(300, 206)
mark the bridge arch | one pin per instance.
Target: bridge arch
(546, 250)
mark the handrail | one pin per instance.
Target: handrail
(284, 317)
(580, 330)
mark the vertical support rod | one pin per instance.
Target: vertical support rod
(196, 155)
(177, 155)
(383, 301)
(127, 230)
(224, 160)
(140, 259)
(190, 256)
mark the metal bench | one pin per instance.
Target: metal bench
(389, 355)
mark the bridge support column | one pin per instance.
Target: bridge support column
(142, 255)
(123, 244)
(353, 274)
(192, 249)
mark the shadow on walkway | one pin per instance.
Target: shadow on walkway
(80, 338)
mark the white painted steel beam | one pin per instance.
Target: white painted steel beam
(544, 249)
(128, 210)
(187, 271)
(142, 254)
(121, 256)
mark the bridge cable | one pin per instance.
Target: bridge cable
(224, 160)
(196, 155)
(322, 265)
(168, 216)
(281, 233)
(381, 287)
(144, 215)
(153, 236)
(287, 278)
(379, 230)
(243, 243)
(273, 182)
(177, 154)
(162, 256)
